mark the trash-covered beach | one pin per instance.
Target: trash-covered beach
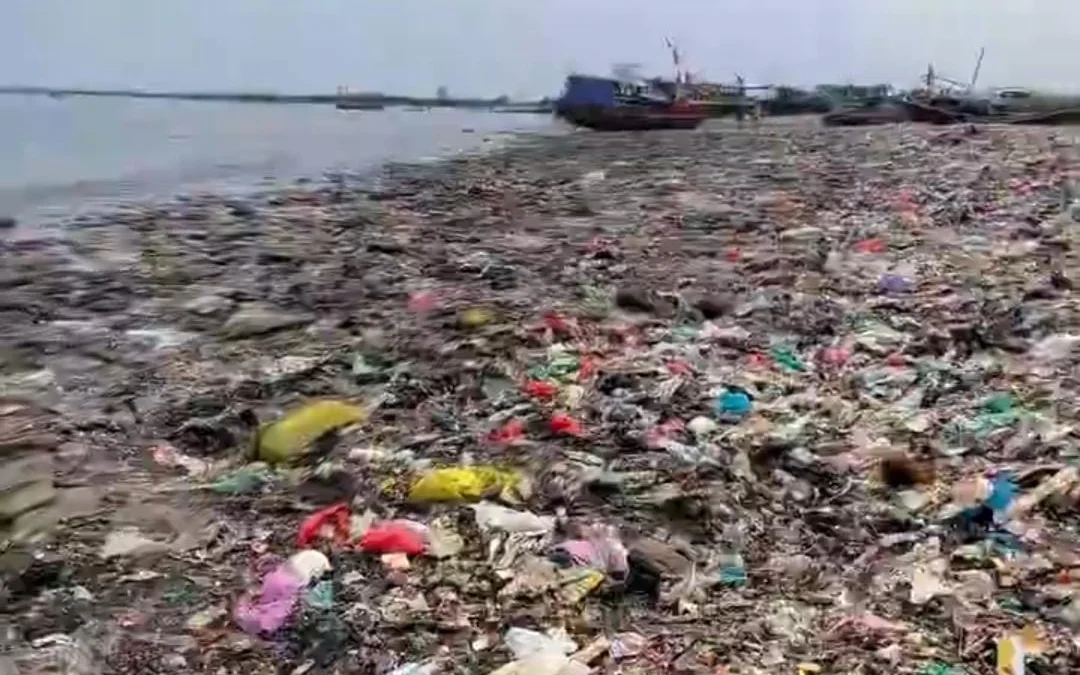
(761, 400)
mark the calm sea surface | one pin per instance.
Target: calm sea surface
(60, 157)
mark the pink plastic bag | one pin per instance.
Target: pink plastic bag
(599, 548)
(277, 599)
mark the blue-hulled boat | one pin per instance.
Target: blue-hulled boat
(610, 104)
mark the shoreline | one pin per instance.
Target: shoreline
(493, 104)
(684, 260)
(161, 169)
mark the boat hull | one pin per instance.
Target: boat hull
(718, 109)
(927, 113)
(960, 114)
(865, 116)
(632, 118)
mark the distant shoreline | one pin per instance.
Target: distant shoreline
(501, 104)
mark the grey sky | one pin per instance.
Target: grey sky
(524, 48)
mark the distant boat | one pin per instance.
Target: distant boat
(358, 101)
(357, 104)
(610, 104)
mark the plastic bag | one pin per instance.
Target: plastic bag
(599, 548)
(246, 479)
(279, 593)
(785, 357)
(543, 664)
(508, 434)
(290, 436)
(331, 523)
(541, 389)
(465, 484)
(627, 645)
(524, 643)
(395, 537)
(496, 517)
(733, 404)
(475, 317)
(562, 424)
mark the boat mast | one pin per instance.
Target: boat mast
(978, 66)
(675, 61)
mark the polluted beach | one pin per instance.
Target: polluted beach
(766, 400)
(657, 376)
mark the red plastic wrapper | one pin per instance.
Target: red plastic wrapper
(511, 432)
(836, 356)
(679, 367)
(393, 537)
(541, 389)
(557, 324)
(658, 437)
(896, 360)
(758, 360)
(564, 425)
(870, 246)
(422, 302)
(733, 254)
(586, 369)
(330, 523)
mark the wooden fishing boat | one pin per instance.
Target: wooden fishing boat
(971, 109)
(946, 101)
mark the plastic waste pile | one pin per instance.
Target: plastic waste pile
(803, 405)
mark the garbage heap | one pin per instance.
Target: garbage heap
(782, 400)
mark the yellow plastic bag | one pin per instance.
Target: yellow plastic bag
(294, 433)
(475, 317)
(1012, 650)
(466, 484)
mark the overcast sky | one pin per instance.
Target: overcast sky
(525, 48)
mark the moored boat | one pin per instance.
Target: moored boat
(964, 109)
(635, 118)
(609, 104)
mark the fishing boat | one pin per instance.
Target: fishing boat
(942, 100)
(1003, 106)
(714, 99)
(612, 104)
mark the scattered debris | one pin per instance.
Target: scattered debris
(797, 402)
